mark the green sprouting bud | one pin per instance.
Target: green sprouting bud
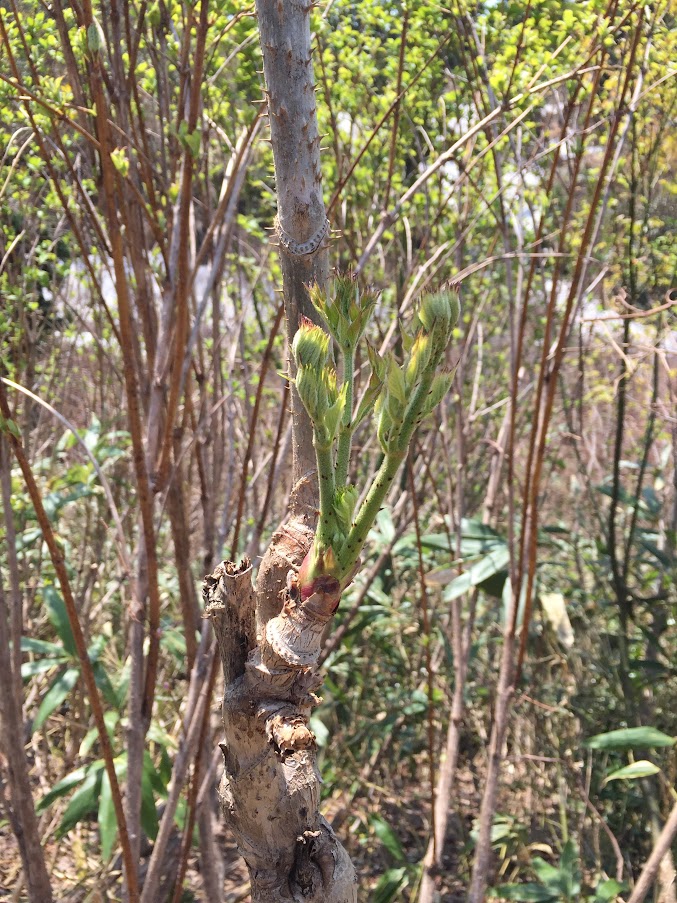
(440, 386)
(334, 413)
(330, 387)
(440, 311)
(345, 310)
(96, 40)
(419, 359)
(377, 363)
(325, 307)
(376, 379)
(308, 382)
(385, 423)
(346, 292)
(311, 345)
(344, 506)
(397, 387)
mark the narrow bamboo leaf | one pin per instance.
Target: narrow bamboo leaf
(56, 694)
(608, 891)
(62, 787)
(111, 718)
(84, 800)
(149, 819)
(660, 555)
(524, 893)
(104, 684)
(641, 769)
(390, 885)
(388, 838)
(434, 541)
(492, 564)
(56, 610)
(630, 738)
(29, 669)
(108, 825)
(30, 645)
(475, 529)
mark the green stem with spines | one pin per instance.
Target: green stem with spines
(326, 527)
(414, 408)
(346, 429)
(351, 548)
(354, 542)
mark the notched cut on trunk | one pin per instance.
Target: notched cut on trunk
(231, 604)
(269, 791)
(287, 549)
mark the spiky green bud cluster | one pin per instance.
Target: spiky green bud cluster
(316, 382)
(439, 313)
(400, 395)
(345, 309)
(311, 345)
(414, 390)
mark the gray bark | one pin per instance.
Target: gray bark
(269, 640)
(269, 791)
(301, 222)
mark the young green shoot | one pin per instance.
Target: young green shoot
(398, 396)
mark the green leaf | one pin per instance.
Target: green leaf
(149, 819)
(384, 522)
(83, 801)
(319, 728)
(193, 141)
(62, 787)
(640, 769)
(30, 669)
(546, 873)
(390, 885)
(108, 824)
(388, 838)
(489, 566)
(525, 893)
(569, 880)
(608, 891)
(110, 718)
(630, 738)
(396, 383)
(26, 539)
(30, 645)
(12, 427)
(56, 610)
(56, 694)
(103, 683)
(120, 160)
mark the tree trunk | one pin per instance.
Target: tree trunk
(270, 788)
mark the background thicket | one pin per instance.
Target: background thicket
(526, 149)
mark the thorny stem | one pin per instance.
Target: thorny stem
(325, 470)
(346, 431)
(414, 411)
(350, 551)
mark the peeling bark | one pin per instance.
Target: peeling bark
(270, 788)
